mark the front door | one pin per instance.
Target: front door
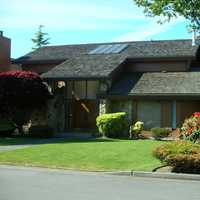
(84, 114)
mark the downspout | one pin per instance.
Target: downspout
(174, 120)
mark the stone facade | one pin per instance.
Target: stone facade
(56, 114)
(53, 114)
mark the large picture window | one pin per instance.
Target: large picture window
(82, 89)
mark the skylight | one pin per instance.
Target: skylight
(109, 49)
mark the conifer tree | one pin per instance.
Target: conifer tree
(41, 38)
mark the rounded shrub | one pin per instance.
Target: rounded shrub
(112, 125)
(183, 156)
(159, 133)
(6, 128)
(136, 129)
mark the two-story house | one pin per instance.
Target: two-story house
(157, 82)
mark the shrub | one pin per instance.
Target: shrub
(183, 156)
(190, 129)
(20, 93)
(159, 133)
(136, 129)
(41, 131)
(112, 125)
(6, 128)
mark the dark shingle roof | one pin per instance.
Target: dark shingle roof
(140, 49)
(86, 66)
(158, 84)
(79, 63)
(55, 53)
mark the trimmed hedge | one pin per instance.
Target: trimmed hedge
(112, 125)
(41, 131)
(159, 133)
(6, 128)
(183, 156)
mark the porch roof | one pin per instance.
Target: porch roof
(158, 84)
(86, 67)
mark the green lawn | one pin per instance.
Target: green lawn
(94, 155)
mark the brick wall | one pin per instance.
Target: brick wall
(5, 49)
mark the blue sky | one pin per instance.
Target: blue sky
(81, 21)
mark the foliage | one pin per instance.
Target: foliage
(112, 125)
(183, 156)
(20, 93)
(168, 9)
(91, 155)
(6, 128)
(159, 133)
(136, 129)
(190, 129)
(40, 38)
(41, 131)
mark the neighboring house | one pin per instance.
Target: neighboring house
(5, 48)
(157, 82)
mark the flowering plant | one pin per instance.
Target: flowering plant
(190, 129)
(136, 129)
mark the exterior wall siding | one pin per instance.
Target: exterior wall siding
(38, 68)
(157, 66)
(150, 113)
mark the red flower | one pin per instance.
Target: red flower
(196, 114)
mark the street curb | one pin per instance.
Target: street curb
(180, 176)
(137, 174)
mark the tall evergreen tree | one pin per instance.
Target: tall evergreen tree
(40, 38)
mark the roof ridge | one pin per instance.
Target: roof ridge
(116, 42)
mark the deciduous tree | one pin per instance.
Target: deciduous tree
(168, 9)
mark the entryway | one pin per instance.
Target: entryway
(81, 114)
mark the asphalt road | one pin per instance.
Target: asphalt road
(44, 184)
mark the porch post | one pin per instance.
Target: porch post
(174, 114)
(103, 106)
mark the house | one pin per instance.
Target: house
(5, 49)
(157, 82)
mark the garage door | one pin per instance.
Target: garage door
(149, 113)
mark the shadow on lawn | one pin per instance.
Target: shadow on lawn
(4, 141)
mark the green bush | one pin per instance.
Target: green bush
(159, 133)
(112, 125)
(41, 131)
(183, 156)
(6, 128)
(136, 129)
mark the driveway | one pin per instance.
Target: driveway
(34, 183)
(28, 142)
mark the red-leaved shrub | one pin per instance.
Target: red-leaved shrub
(20, 93)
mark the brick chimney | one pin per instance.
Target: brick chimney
(5, 52)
